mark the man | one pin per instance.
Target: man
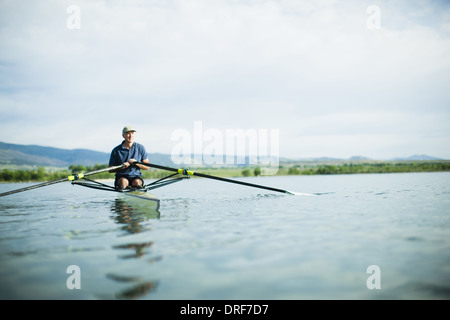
(128, 153)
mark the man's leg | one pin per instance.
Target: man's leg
(137, 183)
(122, 183)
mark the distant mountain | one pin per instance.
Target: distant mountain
(33, 155)
(326, 159)
(421, 157)
(359, 158)
(48, 156)
(15, 154)
(418, 157)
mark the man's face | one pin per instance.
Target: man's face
(129, 136)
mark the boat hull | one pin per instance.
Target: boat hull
(144, 199)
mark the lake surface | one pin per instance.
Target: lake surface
(216, 240)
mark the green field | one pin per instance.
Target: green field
(291, 168)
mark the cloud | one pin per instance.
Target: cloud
(310, 69)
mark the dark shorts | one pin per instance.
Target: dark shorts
(130, 180)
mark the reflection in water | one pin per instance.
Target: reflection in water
(139, 289)
(139, 249)
(133, 215)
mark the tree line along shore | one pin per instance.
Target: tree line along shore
(44, 174)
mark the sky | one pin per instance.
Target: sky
(327, 78)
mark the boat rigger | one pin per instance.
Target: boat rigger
(82, 180)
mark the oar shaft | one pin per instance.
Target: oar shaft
(188, 172)
(240, 182)
(74, 176)
(35, 186)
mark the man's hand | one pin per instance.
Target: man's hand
(130, 163)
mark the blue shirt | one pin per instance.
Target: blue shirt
(120, 154)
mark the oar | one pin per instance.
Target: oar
(74, 176)
(192, 173)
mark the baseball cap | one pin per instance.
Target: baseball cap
(128, 129)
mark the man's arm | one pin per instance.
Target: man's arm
(114, 161)
(126, 165)
(140, 166)
(118, 169)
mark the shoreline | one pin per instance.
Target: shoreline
(294, 169)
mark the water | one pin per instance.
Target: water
(215, 240)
